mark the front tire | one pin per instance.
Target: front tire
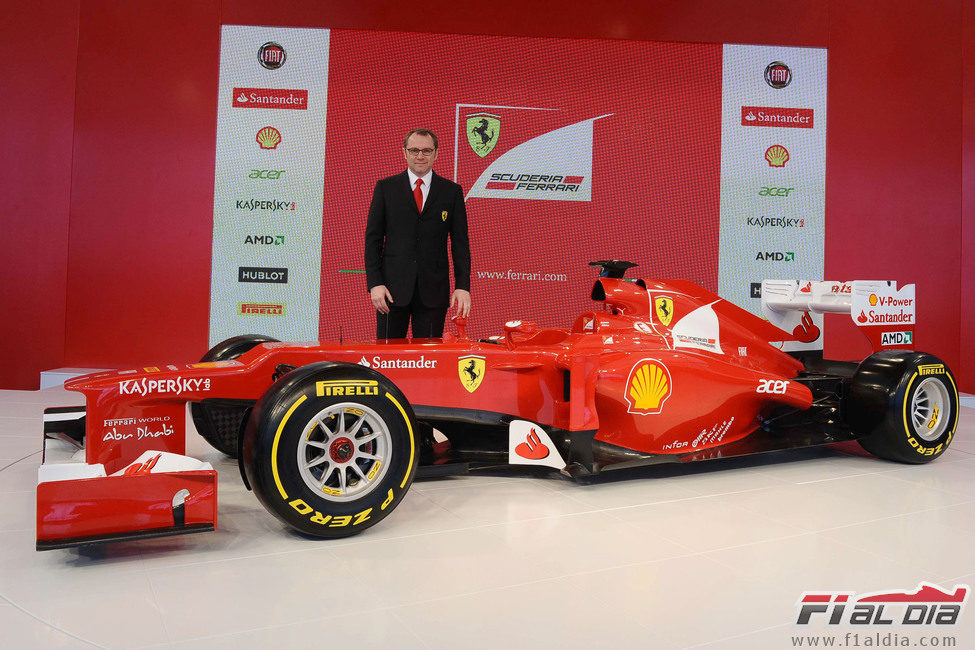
(331, 448)
(905, 404)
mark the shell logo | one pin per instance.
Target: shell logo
(648, 387)
(268, 137)
(777, 155)
(873, 300)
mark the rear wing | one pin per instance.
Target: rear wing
(882, 312)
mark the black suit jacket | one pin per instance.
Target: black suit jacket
(407, 249)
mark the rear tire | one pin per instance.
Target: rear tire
(220, 421)
(905, 405)
(331, 448)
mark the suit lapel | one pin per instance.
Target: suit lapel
(435, 189)
(408, 192)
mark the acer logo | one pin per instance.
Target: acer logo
(272, 174)
(775, 256)
(772, 386)
(775, 191)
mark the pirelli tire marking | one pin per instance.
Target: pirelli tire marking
(927, 412)
(299, 505)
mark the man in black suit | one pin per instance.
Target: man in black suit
(410, 218)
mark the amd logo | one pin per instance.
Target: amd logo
(775, 256)
(265, 240)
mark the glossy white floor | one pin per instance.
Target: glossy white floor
(713, 555)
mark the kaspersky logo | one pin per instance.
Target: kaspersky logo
(483, 131)
(648, 387)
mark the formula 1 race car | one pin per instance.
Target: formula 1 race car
(330, 436)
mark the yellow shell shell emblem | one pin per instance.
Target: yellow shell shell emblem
(268, 137)
(777, 155)
(664, 308)
(648, 387)
(470, 369)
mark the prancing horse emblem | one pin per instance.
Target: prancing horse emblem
(664, 306)
(483, 131)
(470, 369)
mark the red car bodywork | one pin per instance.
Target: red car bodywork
(629, 380)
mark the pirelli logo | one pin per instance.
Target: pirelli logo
(931, 369)
(346, 388)
(261, 309)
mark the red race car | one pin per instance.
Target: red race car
(330, 436)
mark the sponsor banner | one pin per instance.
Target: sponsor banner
(268, 195)
(882, 303)
(773, 178)
(544, 154)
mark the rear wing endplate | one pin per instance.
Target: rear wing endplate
(884, 313)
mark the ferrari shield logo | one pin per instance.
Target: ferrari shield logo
(664, 306)
(470, 369)
(443, 215)
(483, 131)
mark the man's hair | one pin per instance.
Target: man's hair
(426, 132)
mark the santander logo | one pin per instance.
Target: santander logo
(271, 98)
(532, 448)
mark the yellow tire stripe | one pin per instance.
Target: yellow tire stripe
(956, 414)
(410, 428)
(908, 429)
(274, 447)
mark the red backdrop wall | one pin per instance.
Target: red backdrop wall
(109, 186)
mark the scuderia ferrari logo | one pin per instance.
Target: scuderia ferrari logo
(664, 308)
(470, 369)
(483, 130)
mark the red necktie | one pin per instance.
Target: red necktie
(418, 195)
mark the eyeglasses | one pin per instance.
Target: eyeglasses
(416, 152)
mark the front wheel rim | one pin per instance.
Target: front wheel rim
(344, 452)
(930, 410)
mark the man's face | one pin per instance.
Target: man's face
(420, 163)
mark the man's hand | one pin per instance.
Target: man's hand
(462, 300)
(379, 295)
